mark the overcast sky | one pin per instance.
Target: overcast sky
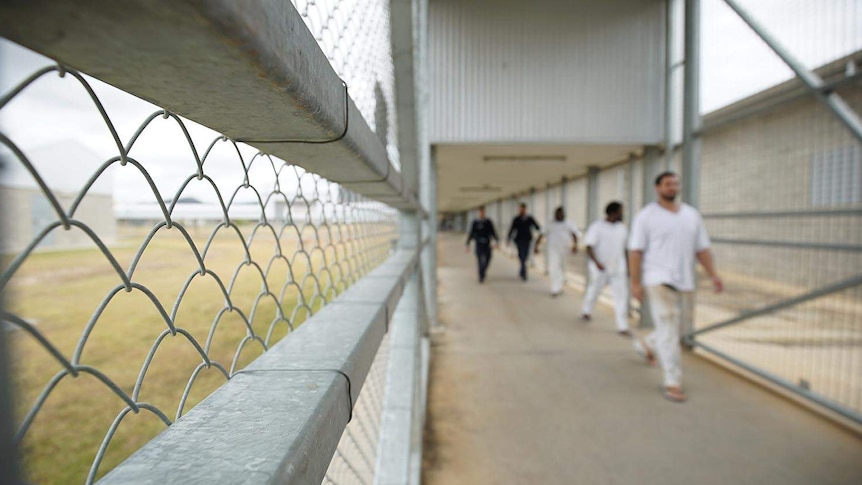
(57, 111)
(735, 64)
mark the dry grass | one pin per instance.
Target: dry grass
(60, 292)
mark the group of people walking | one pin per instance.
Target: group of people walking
(666, 240)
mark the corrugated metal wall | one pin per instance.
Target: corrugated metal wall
(546, 71)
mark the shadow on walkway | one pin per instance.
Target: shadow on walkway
(523, 392)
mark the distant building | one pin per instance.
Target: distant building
(192, 212)
(65, 168)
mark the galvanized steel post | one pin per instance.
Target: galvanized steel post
(592, 203)
(550, 219)
(668, 84)
(428, 197)
(532, 210)
(532, 199)
(630, 198)
(691, 105)
(592, 194)
(651, 169)
(564, 190)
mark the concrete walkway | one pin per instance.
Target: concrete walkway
(522, 392)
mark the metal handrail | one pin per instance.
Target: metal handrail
(289, 407)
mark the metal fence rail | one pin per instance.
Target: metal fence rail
(285, 243)
(288, 409)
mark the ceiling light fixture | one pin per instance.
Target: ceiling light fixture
(524, 158)
(481, 188)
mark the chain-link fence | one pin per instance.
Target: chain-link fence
(120, 325)
(781, 194)
(355, 36)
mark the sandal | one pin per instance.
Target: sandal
(673, 394)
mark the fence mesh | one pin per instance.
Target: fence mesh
(781, 193)
(355, 36)
(355, 459)
(228, 252)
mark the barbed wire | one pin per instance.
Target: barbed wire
(323, 239)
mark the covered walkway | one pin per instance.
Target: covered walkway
(522, 392)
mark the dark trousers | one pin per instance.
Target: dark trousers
(483, 255)
(523, 254)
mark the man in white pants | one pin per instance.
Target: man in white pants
(666, 238)
(606, 248)
(561, 235)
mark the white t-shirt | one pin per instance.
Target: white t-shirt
(669, 241)
(559, 234)
(608, 240)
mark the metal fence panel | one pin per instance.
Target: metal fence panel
(225, 257)
(779, 190)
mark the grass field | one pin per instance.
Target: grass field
(59, 292)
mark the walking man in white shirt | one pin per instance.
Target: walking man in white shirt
(561, 235)
(666, 238)
(606, 248)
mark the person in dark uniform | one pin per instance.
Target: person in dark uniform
(522, 233)
(482, 231)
